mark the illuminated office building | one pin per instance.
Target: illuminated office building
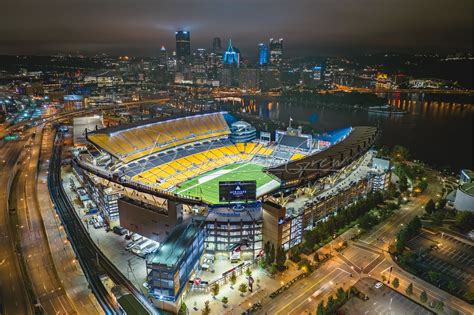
(276, 51)
(183, 44)
(262, 54)
(231, 56)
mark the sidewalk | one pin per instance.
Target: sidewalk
(238, 303)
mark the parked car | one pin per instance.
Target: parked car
(119, 230)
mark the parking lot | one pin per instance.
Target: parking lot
(382, 300)
(448, 256)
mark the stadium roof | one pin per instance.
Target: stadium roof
(327, 161)
(150, 121)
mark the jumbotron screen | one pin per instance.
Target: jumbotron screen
(237, 191)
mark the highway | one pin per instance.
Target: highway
(43, 279)
(13, 294)
(34, 244)
(367, 257)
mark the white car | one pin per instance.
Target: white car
(378, 285)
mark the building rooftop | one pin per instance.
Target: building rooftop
(175, 245)
(468, 188)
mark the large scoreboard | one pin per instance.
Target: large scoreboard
(233, 191)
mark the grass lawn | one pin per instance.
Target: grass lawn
(206, 186)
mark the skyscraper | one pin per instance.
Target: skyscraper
(216, 45)
(183, 44)
(231, 56)
(262, 54)
(163, 56)
(276, 51)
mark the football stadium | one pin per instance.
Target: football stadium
(189, 156)
(207, 191)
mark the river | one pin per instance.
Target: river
(437, 128)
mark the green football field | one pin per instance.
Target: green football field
(206, 186)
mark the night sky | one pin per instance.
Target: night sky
(309, 27)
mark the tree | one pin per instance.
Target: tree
(206, 310)
(233, 279)
(271, 255)
(400, 153)
(248, 272)
(396, 283)
(464, 221)
(384, 151)
(430, 207)
(452, 286)
(438, 217)
(225, 300)
(434, 276)
(316, 257)
(320, 310)
(423, 297)
(409, 289)
(442, 204)
(439, 305)
(215, 290)
(280, 259)
(267, 249)
(331, 305)
(341, 295)
(242, 288)
(403, 183)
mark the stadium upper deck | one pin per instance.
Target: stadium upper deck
(134, 141)
(356, 143)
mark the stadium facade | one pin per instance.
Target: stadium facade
(168, 174)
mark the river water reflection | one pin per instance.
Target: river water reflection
(437, 128)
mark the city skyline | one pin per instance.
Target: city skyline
(309, 28)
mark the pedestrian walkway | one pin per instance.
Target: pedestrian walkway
(264, 285)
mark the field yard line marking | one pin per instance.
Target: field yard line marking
(240, 166)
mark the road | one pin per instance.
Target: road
(34, 244)
(13, 294)
(367, 257)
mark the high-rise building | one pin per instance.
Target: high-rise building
(276, 51)
(262, 54)
(231, 56)
(183, 44)
(163, 56)
(216, 45)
